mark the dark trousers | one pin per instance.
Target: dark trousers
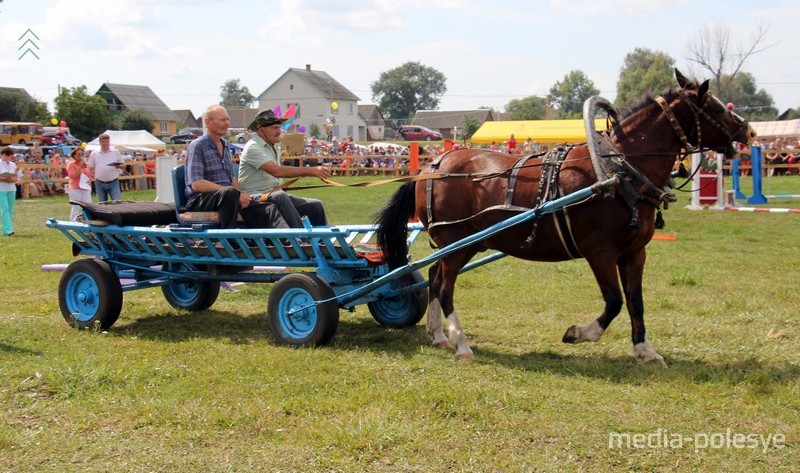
(226, 202)
(294, 208)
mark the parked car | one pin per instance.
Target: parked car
(186, 135)
(52, 138)
(418, 133)
(244, 137)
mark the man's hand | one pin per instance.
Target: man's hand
(322, 172)
(244, 199)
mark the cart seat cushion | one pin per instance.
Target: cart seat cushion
(126, 213)
(204, 217)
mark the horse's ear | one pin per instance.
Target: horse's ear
(682, 80)
(703, 89)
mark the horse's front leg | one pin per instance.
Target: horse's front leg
(605, 272)
(433, 323)
(631, 272)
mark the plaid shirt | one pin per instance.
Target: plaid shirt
(204, 162)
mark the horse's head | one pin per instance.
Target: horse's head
(715, 125)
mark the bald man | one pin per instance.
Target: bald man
(211, 184)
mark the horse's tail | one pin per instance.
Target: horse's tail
(392, 222)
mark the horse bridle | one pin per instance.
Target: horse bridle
(697, 111)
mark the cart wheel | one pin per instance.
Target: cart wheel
(404, 310)
(90, 292)
(314, 325)
(191, 295)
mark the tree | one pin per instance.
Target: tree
(135, 120)
(710, 48)
(235, 95)
(644, 72)
(401, 91)
(468, 128)
(750, 103)
(528, 108)
(86, 115)
(314, 131)
(567, 96)
(16, 107)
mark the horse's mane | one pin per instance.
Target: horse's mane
(644, 102)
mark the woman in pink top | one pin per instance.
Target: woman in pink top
(80, 187)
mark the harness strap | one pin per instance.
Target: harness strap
(429, 185)
(512, 179)
(548, 187)
(673, 121)
(564, 230)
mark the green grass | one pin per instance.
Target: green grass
(167, 390)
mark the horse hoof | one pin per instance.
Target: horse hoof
(465, 356)
(570, 336)
(644, 353)
(658, 359)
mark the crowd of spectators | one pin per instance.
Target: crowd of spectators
(49, 176)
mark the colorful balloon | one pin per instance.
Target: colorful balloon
(54, 121)
(729, 105)
(334, 105)
(63, 123)
(84, 144)
(301, 128)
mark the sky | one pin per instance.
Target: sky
(489, 52)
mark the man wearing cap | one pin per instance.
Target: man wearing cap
(211, 185)
(260, 172)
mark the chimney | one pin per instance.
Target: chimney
(308, 67)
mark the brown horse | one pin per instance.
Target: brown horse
(472, 189)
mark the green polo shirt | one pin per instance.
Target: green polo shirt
(256, 153)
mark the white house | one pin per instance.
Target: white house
(319, 98)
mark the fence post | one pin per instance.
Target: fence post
(735, 184)
(413, 158)
(757, 162)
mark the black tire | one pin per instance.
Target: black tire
(312, 326)
(23, 143)
(173, 141)
(405, 310)
(191, 295)
(90, 292)
(240, 140)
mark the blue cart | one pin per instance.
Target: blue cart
(326, 269)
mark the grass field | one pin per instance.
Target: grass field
(165, 390)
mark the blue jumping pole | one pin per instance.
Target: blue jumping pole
(755, 157)
(737, 188)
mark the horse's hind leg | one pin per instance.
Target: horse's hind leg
(450, 267)
(631, 271)
(605, 272)
(442, 277)
(433, 324)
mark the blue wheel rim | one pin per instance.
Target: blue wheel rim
(395, 309)
(302, 323)
(82, 297)
(186, 292)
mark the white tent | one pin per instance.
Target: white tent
(131, 140)
(772, 130)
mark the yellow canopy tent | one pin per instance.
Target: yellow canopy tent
(541, 131)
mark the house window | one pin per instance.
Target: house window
(349, 130)
(164, 127)
(350, 108)
(291, 86)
